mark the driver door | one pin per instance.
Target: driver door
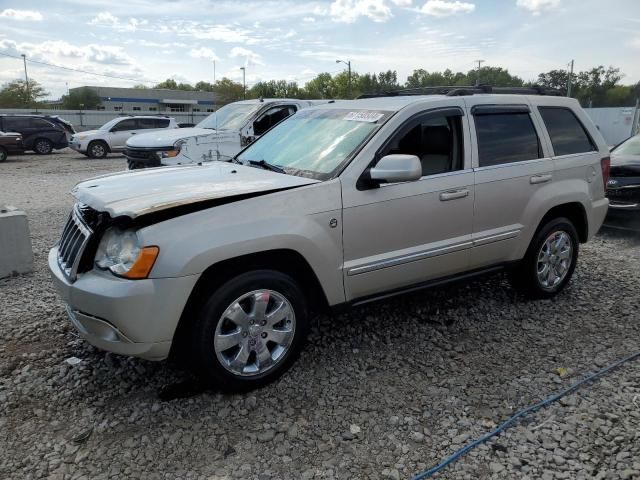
(402, 234)
(121, 132)
(267, 119)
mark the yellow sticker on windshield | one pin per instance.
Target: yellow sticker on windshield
(371, 117)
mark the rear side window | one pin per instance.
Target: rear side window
(12, 124)
(161, 122)
(567, 134)
(40, 123)
(144, 123)
(506, 138)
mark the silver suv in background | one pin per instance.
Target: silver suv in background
(347, 203)
(113, 135)
(220, 136)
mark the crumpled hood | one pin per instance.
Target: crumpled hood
(166, 137)
(140, 192)
(85, 133)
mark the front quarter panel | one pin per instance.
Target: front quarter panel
(298, 219)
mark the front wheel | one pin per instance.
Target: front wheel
(3, 154)
(250, 330)
(97, 149)
(550, 260)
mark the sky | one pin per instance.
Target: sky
(147, 41)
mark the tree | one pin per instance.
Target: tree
(85, 96)
(275, 89)
(227, 91)
(320, 87)
(169, 83)
(141, 86)
(14, 94)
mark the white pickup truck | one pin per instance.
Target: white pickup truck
(220, 136)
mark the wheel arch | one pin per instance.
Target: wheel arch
(286, 261)
(99, 140)
(575, 212)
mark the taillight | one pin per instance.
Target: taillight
(605, 165)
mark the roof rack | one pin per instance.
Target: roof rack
(458, 90)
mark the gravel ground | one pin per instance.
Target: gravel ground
(382, 391)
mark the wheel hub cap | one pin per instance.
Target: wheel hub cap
(255, 332)
(554, 259)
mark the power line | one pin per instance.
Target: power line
(81, 71)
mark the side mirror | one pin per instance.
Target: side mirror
(396, 168)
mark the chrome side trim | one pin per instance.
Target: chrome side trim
(495, 238)
(513, 164)
(413, 257)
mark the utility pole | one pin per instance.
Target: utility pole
(244, 83)
(348, 64)
(26, 79)
(214, 85)
(570, 79)
(480, 62)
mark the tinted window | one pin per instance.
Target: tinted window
(272, 117)
(12, 124)
(40, 124)
(161, 122)
(506, 138)
(435, 140)
(566, 132)
(146, 123)
(129, 124)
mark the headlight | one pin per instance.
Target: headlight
(120, 252)
(78, 137)
(176, 150)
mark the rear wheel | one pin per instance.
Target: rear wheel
(43, 146)
(97, 149)
(550, 260)
(250, 330)
(3, 154)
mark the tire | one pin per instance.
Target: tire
(529, 276)
(97, 149)
(3, 154)
(42, 146)
(227, 346)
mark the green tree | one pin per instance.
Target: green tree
(141, 86)
(227, 91)
(169, 83)
(85, 96)
(320, 87)
(14, 94)
(275, 89)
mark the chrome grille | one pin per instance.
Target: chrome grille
(75, 236)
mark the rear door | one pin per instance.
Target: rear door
(511, 166)
(19, 125)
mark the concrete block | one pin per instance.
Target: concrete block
(16, 254)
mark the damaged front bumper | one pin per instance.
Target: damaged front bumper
(128, 317)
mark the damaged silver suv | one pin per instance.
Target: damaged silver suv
(339, 204)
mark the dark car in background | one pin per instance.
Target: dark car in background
(10, 144)
(623, 187)
(40, 133)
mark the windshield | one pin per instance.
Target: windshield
(315, 143)
(628, 147)
(229, 117)
(111, 123)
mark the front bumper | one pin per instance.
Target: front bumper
(78, 147)
(128, 317)
(624, 194)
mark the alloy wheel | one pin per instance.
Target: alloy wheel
(255, 333)
(554, 259)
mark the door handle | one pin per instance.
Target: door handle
(539, 179)
(454, 194)
(133, 133)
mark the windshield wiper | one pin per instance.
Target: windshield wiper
(266, 166)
